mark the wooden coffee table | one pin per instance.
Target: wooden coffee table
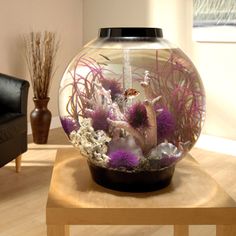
(193, 198)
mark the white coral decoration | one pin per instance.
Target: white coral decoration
(91, 143)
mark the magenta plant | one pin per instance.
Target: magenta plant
(136, 115)
(181, 93)
(69, 124)
(167, 161)
(171, 82)
(83, 87)
(113, 85)
(165, 125)
(99, 119)
(123, 159)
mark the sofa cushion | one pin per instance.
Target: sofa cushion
(11, 124)
(13, 93)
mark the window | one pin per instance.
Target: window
(214, 20)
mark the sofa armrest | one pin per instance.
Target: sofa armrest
(13, 94)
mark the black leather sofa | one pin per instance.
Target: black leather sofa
(13, 119)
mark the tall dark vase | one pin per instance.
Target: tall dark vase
(40, 119)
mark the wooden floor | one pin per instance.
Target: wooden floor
(23, 196)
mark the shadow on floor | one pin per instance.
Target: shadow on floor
(55, 137)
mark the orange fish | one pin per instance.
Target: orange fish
(131, 93)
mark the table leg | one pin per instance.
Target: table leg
(225, 230)
(181, 230)
(58, 230)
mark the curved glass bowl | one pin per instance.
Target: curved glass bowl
(132, 103)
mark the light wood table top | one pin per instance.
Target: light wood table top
(193, 197)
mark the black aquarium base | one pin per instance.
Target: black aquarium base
(143, 181)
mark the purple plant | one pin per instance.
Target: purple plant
(113, 85)
(99, 119)
(165, 125)
(123, 158)
(69, 124)
(137, 116)
(82, 85)
(167, 161)
(176, 80)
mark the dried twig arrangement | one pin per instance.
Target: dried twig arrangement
(40, 52)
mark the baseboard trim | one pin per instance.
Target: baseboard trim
(217, 144)
(206, 142)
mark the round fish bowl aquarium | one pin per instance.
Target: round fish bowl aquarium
(134, 105)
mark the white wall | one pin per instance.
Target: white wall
(19, 17)
(217, 65)
(166, 14)
(107, 13)
(215, 62)
(170, 15)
